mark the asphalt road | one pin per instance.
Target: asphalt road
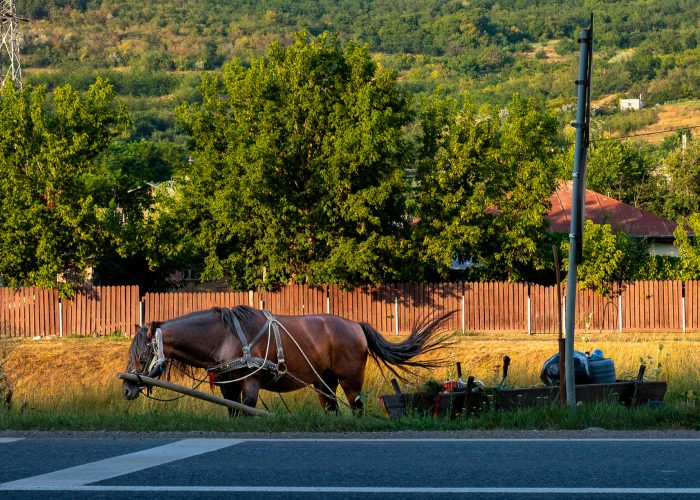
(526, 466)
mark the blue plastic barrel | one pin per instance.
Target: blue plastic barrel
(602, 371)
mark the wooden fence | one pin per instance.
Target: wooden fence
(34, 312)
(392, 309)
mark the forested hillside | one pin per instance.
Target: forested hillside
(461, 107)
(153, 52)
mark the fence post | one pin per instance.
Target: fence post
(683, 306)
(463, 310)
(529, 319)
(328, 301)
(619, 311)
(60, 318)
(563, 307)
(141, 306)
(396, 314)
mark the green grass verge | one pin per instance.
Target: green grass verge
(550, 417)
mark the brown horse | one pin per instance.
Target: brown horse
(245, 350)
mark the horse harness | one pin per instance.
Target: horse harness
(249, 361)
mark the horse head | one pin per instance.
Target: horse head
(144, 358)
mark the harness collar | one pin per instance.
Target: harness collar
(247, 360)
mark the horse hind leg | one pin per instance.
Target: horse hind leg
(352, 389)
(327, 392)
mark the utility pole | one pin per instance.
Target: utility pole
(9, 44)
(578, 202)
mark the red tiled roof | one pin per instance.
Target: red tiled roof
(603, 210)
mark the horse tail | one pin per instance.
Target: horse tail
(425, 337)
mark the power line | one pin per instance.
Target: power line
(666, 131)
(670, 130)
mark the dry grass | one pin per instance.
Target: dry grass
(671, 117)
(549, 50)
(79, 373)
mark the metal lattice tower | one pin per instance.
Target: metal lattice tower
(9, 44)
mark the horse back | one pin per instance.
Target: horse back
(326, 332)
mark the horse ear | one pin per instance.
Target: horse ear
(136, 329)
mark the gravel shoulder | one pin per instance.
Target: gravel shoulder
(590, 433)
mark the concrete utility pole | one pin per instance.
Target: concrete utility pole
(9, 44)
(578, 202)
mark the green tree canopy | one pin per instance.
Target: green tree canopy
(689, 247)
(298, 168)
(48, 145)
(484, 183)
(618, 169)
(681, 169)
(609, 258)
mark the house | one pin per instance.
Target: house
(634, 104)
(635, 222)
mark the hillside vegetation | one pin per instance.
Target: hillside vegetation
(343, 142)
(493, 46)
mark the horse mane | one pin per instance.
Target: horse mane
(138, 347)
(242, 313)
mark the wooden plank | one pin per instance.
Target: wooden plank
(194, 393)
(12, 312)
(650, 312)
(661, 305)
(122, 307)
(691, 305)
(17, 312)
(30, 310)
(504, 306)
(4, 309)
(53, 312)
(678, 301)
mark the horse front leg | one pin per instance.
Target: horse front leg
(232, 392)
(251, 389)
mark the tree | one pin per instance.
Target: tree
(689, 248)
(126, 181)
(298, 169)
(609, 259)
(48, 145)
(484, 183)
(682, 170)
(618, 169)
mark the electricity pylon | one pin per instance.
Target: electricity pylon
(9, 44)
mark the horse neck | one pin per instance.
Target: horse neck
(198, 347)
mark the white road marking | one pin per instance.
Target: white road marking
(368, 489)
(9, 440)
(77, 477)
